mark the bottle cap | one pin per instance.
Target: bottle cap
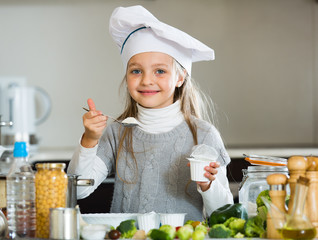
(20, 149)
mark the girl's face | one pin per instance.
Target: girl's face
(152, 79)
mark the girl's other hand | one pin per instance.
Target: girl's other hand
(94, 123)
(210, 173)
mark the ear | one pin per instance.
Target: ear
(180, 81)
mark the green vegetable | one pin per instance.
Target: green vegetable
(287, 200)
(223, 213)
(189, 222)
(259, 201)
(262, 212)
(201, 228)
(170, 230)
(189, 226)
(254, 227)
(220, 231)
(235, 224)
(157, 234)
(261, 208)
(127, 228)
(185, 232)
(198, 235)
(239, 235)
(205, 222)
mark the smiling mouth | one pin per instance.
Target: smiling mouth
(148, 92)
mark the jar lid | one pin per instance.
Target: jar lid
(50, 165)
(265, 160)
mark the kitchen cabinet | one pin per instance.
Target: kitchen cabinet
(100, 200)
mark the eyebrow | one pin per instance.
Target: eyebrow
(154, 65)
(133, 65)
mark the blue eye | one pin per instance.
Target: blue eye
(160, 71)
(136, 71)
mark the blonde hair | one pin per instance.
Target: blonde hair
(194, 103)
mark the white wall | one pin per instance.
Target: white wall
(263, 81)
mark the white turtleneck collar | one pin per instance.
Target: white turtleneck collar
(160, 120)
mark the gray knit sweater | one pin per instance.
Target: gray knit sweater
(163, 175)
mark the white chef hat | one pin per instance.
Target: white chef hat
(135, 30)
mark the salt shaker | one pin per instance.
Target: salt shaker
(277, 192)
(297, 166)
(312, 195)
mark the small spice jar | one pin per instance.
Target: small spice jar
(51, 192)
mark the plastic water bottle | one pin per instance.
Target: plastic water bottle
(21, 195)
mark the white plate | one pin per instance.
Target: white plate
(113, 219)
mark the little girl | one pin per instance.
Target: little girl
(150, 160)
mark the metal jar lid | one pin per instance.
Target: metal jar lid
(50, 166)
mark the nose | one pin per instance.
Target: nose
(147, 79)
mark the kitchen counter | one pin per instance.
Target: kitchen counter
(52, 154)
(277, 152)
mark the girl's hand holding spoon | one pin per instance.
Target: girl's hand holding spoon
(94, 123)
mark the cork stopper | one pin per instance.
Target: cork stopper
(276, 179)
(303, 181)
(297, 163)
(312, 163)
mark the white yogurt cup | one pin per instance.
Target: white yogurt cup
(148, 221)
(173, 219)
(197, 169)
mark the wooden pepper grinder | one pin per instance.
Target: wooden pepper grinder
(277, 191)
(297, 166)
(312, 195)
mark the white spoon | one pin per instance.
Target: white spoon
(127, 122)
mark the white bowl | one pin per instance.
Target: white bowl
(197, 169)
(173, 219)
(94, 231)
(113, 219)
(148, 221)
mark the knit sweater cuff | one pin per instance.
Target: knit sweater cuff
(87, 151)
(210, 201)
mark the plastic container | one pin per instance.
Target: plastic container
(21, 195)
(3, 225)
(148, 221)
(51, 192)
(254, 182)
(173, 219)
(197, 169)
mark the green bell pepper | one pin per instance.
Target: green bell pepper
(223, 213)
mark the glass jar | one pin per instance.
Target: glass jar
(254, 182)
(51, 192)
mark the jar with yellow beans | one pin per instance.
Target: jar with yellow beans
(51, 192)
